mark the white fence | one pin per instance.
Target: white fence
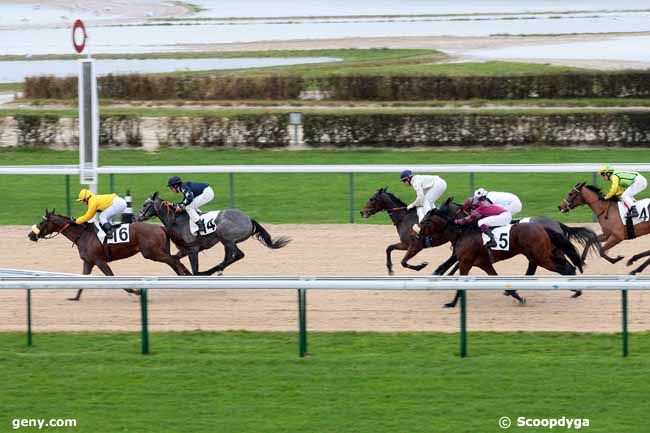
(31, 280)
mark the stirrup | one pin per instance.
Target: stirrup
(201, 226)
(633, 213)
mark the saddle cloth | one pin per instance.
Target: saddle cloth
(210, 221)
(502, 235)
(121, 233)
(642, 207)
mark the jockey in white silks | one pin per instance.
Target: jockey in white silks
(427, 189)
(506, 200)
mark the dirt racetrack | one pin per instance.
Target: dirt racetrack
(315, 250)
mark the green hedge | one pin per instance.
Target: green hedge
(440, 129)
(157, 87)
(352, 87)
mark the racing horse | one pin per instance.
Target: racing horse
(148, 239)
(403, 220)
(614, 230)
(232, 227)
(537, 243)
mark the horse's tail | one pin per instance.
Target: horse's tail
(563, 243)
(264, 237)
(587, 238)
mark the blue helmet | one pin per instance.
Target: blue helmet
(405, 174)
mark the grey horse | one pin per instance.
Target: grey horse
(232, 227)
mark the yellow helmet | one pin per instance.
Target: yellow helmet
(606, 168)
(84, 195)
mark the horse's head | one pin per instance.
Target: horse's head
(573, 199)
(380, 201)
(51, 223)
(154, 206)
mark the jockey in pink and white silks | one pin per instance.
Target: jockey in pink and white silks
(506, 200)
(486, 215)
(427, 188)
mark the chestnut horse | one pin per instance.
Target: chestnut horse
(541, 246)
(149, 239)
(606, 211)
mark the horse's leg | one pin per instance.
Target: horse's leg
(164, 257)
(636, 257)
(194, 262)
(464, 270)
(414, 248)
(453, 270)
(88, 267)
(489, 269)
(232, 254)
(103, 266)
(440, 270)
(532, 268)
(611, 241)
(641, 268)
(389, 250)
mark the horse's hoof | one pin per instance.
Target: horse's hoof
(420, 266)
(219, 273)
(73, 299)
(522, 301)
(391, 273)
(617, 259)
(577, 294)
(633, 272)
(630, 262)
(449, 305)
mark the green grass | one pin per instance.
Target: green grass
(303, 198)
(11, 87)
(245, 382)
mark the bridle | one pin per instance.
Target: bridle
(570, 205)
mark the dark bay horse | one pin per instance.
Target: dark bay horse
(606, 211)
(537, 243)
(150, 240)
(382, 200)
(403, 220)
(232, 227)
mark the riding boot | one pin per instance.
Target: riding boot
(492, 242)
(633, 213)
(108, 229)
(201, 225)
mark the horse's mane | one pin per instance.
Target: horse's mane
(395, 198)
(599, 192)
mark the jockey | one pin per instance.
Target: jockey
(195, 194)
(427, 189)
(506, 200)
(487, 215)
(108, 206)
(625, 185)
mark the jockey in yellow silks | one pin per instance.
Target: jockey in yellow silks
(625, 185)
(108, 205)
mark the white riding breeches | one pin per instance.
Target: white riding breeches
(513, 206)
(496, 220)
(205, 197)
(430, 197)
(117, 207)
(640, 183)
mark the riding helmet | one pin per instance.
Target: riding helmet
(606, 168)
(84, 195)
(405, 174)
(173, 181)
(480, 193)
